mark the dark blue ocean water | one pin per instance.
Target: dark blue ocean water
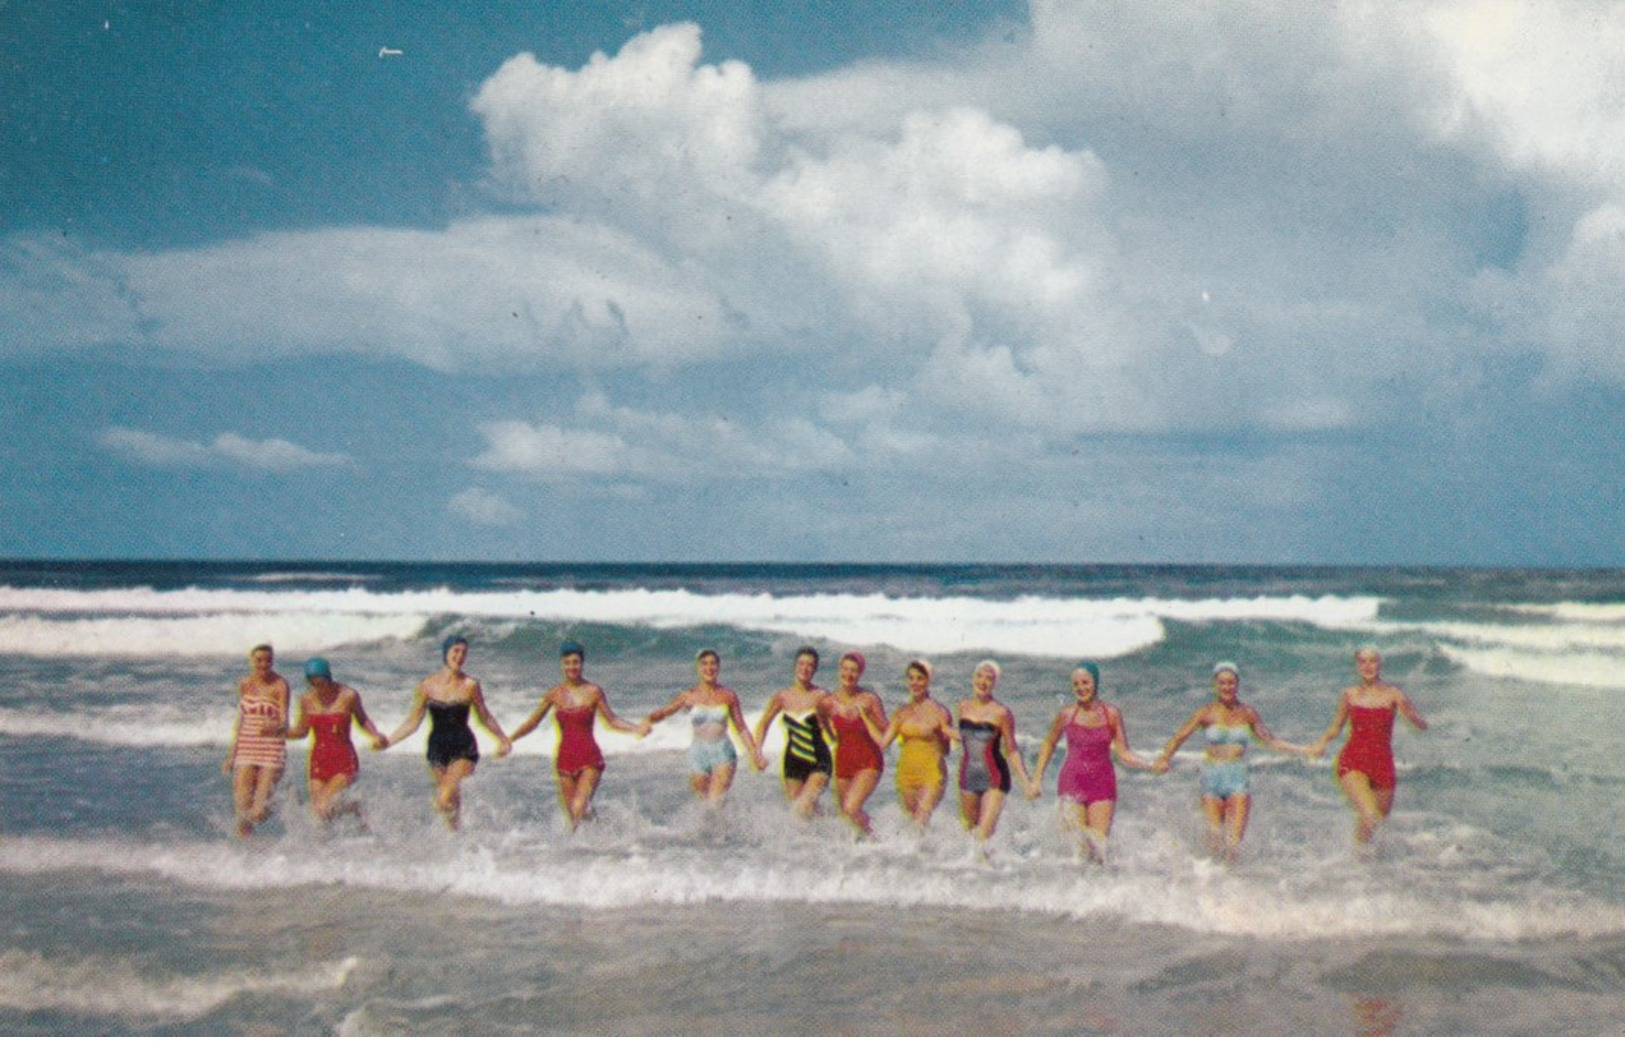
(1490, 903)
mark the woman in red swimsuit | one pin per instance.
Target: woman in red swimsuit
(1365, 766)
(325, 711)
(858, 759)
(575, 703)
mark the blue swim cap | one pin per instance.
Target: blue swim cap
(449, 642)
(569, 647)
(318, 667)
(1091, 668)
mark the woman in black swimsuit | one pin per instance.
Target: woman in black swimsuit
(448, 696)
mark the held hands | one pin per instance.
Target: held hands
(504, 748)
(379, 743)
(1034, 789)
(1161, 765)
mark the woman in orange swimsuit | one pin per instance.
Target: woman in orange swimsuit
(1365, 766)
(257, 753)
(924, 729)
(325, 711)
(576, 703)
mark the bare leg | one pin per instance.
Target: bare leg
(930, 799)
(992, 806)
(722, 778)
(1097, 827)
(909, 799)
(1372, 805)
(920, 801)
(852, 793)
(448, 795)
(805, 799)
(1213, 814)
(326, 798)
(576, 792)
(244, 780)
(1237, 808)
(970, 809)
(265, 779)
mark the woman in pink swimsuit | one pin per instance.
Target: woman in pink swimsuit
(575, 703)
(1087, 787)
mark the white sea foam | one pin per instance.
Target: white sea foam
(1583, 652)
(98, 986)
(1172, 889)
(207, 635)
(179, 726)
(1573, 611)
(142, 621)
(125, 726)
(1570, 669)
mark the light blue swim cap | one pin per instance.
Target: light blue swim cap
(318, 667)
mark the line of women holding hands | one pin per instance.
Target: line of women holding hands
(837, 735)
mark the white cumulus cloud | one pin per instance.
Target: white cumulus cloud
(485, 508)
(272, 454)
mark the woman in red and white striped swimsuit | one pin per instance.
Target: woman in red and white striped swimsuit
(258, 751)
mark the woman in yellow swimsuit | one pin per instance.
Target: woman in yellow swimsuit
(923, 729)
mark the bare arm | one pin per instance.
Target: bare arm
(1340, 717)
(1179, 738)
(883, 738)
(476, 699)
(873, 711)
(1007, 724)
(236, 726)
(1045, 752)
(1408, 710)
(301, 722)
(882, 733)
(671, 708)
(826, 720)
(533, 720)
(615, 722)
(362, 720)
(280, 728)
(413, 720)
(1120, 746)
(770, 712)
(1269, 740)
(737, 714)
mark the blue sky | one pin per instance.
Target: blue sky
(827, 280)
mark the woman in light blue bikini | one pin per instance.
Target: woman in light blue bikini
(1229, 725)
(711, 758)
